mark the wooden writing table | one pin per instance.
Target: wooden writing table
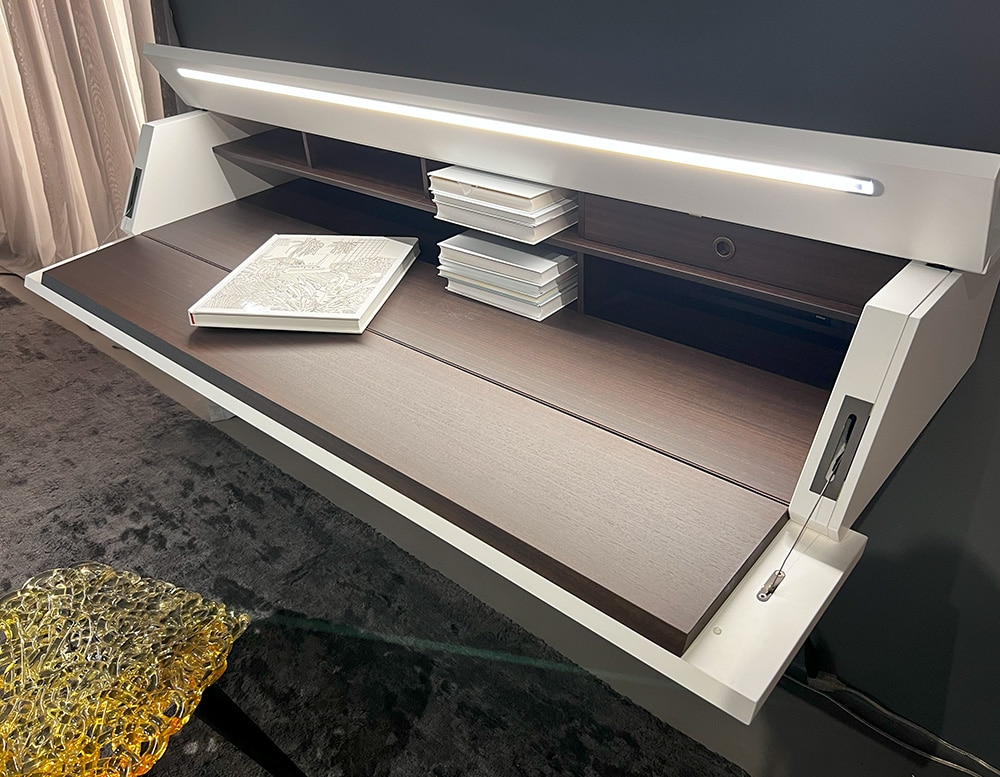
(642, 476)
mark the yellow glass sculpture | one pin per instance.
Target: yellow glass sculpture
(99, 668)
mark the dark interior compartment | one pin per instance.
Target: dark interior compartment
(796, 344)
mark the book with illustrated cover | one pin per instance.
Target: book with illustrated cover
(318, 283)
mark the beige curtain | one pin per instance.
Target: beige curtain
(74, 91)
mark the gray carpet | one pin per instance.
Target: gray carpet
(360, 660)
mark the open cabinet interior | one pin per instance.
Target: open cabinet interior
(713, 285)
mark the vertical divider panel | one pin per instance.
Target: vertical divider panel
(307, 149)
(428, 166)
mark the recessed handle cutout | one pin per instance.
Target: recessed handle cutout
(841, 447)
(133, 191)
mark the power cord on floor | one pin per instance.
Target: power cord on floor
(895, 728)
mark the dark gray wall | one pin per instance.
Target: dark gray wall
(917, 70)
(918, 624)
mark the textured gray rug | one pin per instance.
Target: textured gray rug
(360, 660)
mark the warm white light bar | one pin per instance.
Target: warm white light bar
(814, 178)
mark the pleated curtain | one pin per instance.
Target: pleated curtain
(74, 92)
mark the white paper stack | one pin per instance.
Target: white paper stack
(520, 210)
(531, 281)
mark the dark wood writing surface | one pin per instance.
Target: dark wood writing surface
(714, 413)
(654, 542)
(227, 235)
(743, 424)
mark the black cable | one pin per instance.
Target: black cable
(976, 767)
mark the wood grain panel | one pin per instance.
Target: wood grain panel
(821, 269)
(744, 424)
(373, 164)
(655, 543)
(267, 152)
(227, 235)
(572, 240)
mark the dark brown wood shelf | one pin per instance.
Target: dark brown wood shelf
(276, 150)
(794, 270)
(571, 240)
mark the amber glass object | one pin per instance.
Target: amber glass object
(99, 668)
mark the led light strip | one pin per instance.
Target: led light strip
(832, 181)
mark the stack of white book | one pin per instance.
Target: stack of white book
(531, 281)
(520, 210)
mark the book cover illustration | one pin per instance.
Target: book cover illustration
(309, 275)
